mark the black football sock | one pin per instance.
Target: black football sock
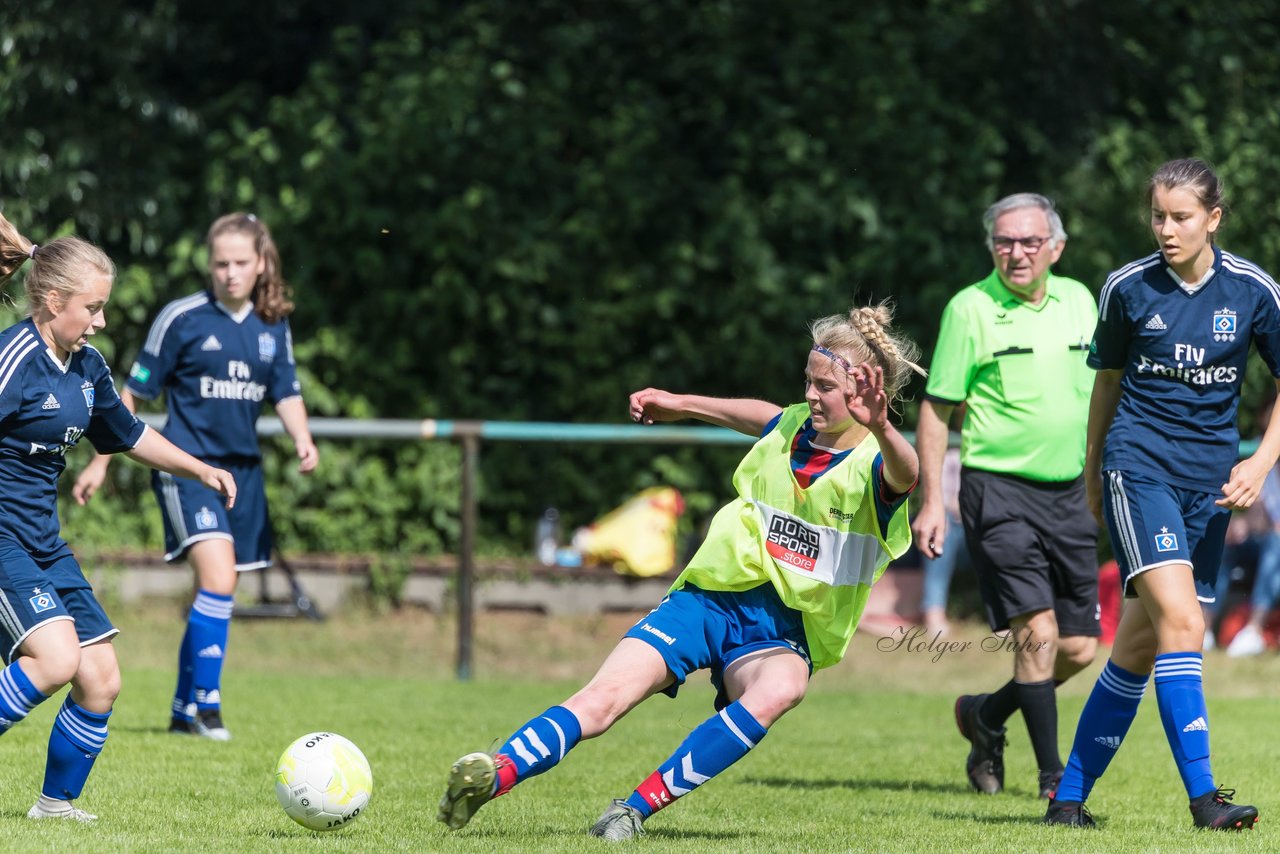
(999, 706)
(1040, 710)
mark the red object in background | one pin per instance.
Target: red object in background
(1231, 624)
(1109, 600)
(1233, 621)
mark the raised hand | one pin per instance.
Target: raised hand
(866, 398)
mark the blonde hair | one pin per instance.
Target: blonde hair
(271, 293)
(865, 334)
(58, 267)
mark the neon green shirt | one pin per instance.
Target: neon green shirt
(821, 547)
(1021, 370)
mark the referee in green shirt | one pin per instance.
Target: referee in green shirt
(1012, 348)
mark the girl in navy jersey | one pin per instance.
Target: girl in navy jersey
(217, 356)
(1171, 346)
(775, 591)
(55, 389)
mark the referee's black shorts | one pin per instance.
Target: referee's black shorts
(1034, 547)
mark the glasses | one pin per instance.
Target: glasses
(1030, 245)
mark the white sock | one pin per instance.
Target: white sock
(54, 805)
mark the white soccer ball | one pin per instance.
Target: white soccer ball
(323, 781)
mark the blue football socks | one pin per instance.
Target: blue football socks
(184, 700)
(538, 746)
(1105, 721)
(75, 741)
(1180, 695)
(713, 746)
(207, 624)
(17, 696)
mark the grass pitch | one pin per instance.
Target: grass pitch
(869, 762)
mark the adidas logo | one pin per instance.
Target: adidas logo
(1109, 741)
(212, 343)
(1198, 724)
(210, 651)
(1156, 323)
(51, 402)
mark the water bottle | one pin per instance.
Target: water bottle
(546, 537)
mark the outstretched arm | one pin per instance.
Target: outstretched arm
(652, 405)
(158, 452)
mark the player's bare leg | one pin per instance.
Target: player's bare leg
(632, 672)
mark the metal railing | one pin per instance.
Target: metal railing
(469, 434)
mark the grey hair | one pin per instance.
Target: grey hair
(1018, 201)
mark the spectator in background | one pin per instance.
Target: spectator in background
(1266, 581)
(939, 570)
(1012, 348)
(217, 355)
(1245, 531)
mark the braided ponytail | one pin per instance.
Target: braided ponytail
(865, 335)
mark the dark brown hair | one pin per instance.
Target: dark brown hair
(1195, 175)
(271, 292)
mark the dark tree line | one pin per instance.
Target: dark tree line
(526, 210)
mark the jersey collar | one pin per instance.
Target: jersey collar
(995, 287)
(237, 316)
(1209, 275)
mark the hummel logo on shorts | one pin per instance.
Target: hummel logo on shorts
(1156, 323)
(1111, 741)
(51, 402)
(1197, 724)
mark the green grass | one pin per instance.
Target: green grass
(869, 762)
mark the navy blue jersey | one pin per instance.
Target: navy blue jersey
(215, 370)
(45, 407)
(1183, 355)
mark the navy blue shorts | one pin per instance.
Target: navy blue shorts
(35, 592)
(1154, 524)
(193, 512)
(694, 628)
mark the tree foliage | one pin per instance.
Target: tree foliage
(526, 210)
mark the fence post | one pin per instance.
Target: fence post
(466, 557)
